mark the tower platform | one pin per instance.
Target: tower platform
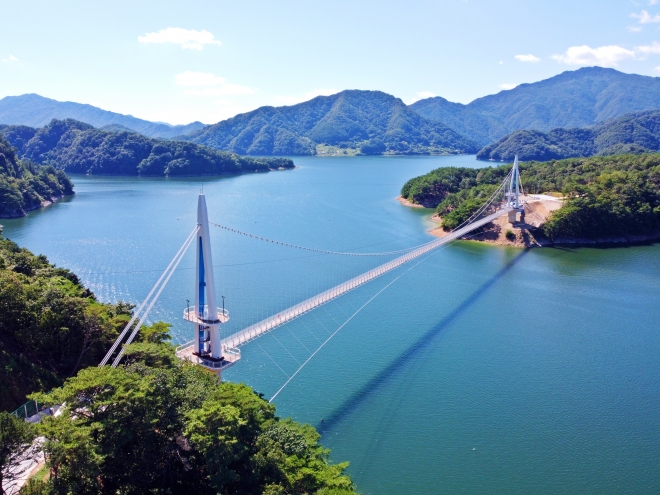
(230, 357)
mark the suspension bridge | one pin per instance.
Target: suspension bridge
(215, 352)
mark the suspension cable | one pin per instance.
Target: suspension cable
(341, 253)
(146, 300)
(153, 301)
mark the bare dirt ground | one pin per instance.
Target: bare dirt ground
(537, 210)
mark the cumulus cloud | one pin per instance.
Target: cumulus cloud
(508, 85)
(292, 100)
(646, 50)
(527, 58)
(645, 18)
(186, 38)
(9, 59)
(606, 56)
(205, 84)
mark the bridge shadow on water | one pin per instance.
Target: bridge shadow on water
(405, 359)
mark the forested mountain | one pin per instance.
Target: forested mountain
(607, 197)
(25, 186)
(637, 132)
(36, 111)
(370, 121)
(80, 148)
(572, 99)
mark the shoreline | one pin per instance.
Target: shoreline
(43, 204)
(526, 234)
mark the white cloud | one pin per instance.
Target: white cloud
(645, 18)
(11, 58)
(634, 29)
(606, 56)
(527, 58)
(186, 38)
(206, 84)
(647, 50)
(292, 100)
(507, 86)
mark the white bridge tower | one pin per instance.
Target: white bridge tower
(513, 193)
(206, 349)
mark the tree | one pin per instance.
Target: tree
(166, 426)
(16, 437)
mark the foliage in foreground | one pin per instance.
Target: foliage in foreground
(50, 324)
(172, 428)
(606, 197)
(25, 186)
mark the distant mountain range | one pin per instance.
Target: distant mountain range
(372, 122)
(36, 111)
(637, 132)
(77, 147)
(572, 99)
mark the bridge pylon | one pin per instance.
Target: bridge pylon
(206, 348)
(513, 193)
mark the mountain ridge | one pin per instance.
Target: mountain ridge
(35, 110)
(571, 99)
(371, 121)
(636, 132)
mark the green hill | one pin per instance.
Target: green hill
(632, 133)
(80, 148)
(36, 111)
(572, 99)
(25, 186)
(369, 121)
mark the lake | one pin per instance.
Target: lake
(481, 369)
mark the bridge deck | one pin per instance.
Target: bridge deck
(257, 329)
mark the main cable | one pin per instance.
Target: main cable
(153, 301)
(146, 300)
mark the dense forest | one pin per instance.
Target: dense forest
(632, 133)
(606, 197)
(571, 99)
(371, 122)
(50, 325)
(26, 186)
(80, 148)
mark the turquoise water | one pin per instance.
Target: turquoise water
(480, 370)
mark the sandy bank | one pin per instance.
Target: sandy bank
(537, 211)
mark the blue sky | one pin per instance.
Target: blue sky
(209, 60)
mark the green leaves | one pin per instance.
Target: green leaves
(172, 428)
